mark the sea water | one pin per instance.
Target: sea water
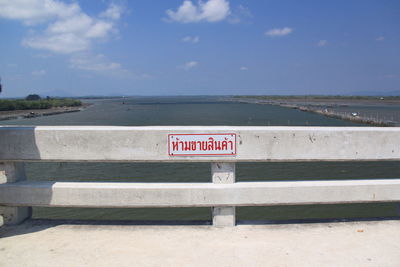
(141, 111)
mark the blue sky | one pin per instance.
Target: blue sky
(209, 47)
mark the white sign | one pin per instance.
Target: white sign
(202, 144)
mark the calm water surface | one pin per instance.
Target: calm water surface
(376, 112)
(202, 111)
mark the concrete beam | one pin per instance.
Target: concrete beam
(10, 173)
(223, 173)
(130, 144)
(131, 195)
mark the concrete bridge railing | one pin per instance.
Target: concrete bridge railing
(222, 146)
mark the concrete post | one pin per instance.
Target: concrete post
(223, 173)
(11, 172)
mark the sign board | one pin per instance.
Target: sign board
(202, 144)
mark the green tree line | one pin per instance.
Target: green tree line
(22, 104)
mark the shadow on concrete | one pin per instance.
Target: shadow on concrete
(37, 225)
(307, 221)
(18, 143)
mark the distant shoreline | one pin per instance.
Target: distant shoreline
(325, 106)
(33, 113)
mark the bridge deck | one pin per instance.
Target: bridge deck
(322, 244)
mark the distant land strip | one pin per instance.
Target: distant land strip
(23, 108)
(323, 105)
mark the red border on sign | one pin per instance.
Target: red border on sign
(173, 155)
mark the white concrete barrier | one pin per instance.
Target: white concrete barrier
(153, 144)
(150, 195)
(150, 144)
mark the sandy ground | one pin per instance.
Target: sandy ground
(322, 244)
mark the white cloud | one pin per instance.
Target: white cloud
(60, 43)
(390, 76)
(240, 14)
(244, 68)
(36, 11)
(189, 65)
(97, 63)
(69, 29)
(100, 65)
(191, 39)
(113, 12)
(38, 72)
(210, 11)
(82, 25)
(279, 32)
(66, 29)
(41, 55)
(70, 35)
(322, 43)
(380, 38)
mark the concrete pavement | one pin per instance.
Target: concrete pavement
(317, 244)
